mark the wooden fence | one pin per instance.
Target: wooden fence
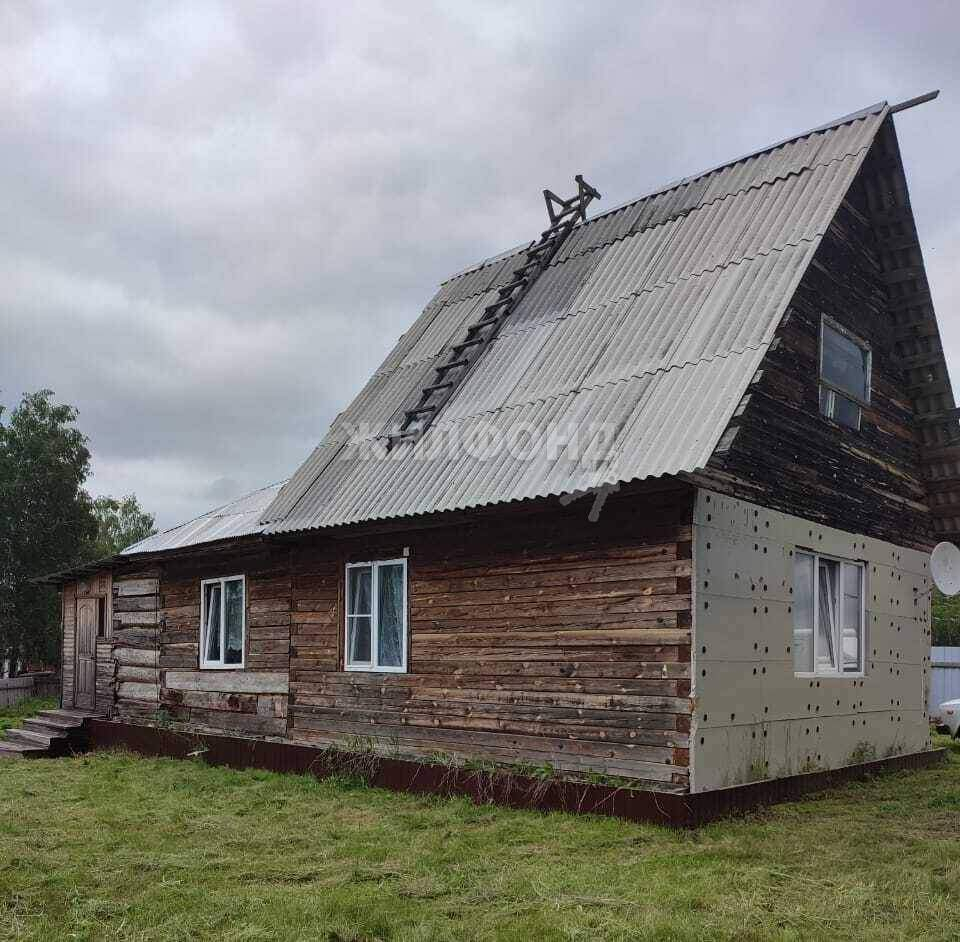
(15, 689)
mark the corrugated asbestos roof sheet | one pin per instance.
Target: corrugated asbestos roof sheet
(639, 340)
(238, 518)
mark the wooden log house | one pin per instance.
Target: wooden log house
(649, 498)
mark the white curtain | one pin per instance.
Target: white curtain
(850, 616)
(827, 608)
(212, 624)
(359, 610)
(233, 617)
(390, 606)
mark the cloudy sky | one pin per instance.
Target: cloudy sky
(218, 217)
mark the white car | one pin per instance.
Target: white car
(950, 717)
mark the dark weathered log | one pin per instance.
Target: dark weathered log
(141, 657)
(252, 724)
(135, 603)
(229, 702)
(139, 637)
(138, 691)
(135, 618)
(125, 586)
(227, 681)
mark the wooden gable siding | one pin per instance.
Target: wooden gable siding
(780, 452)
(535, 637)
(227, 699)
(917, 335)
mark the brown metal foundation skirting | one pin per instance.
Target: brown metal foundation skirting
(514, 791)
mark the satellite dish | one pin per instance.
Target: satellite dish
(945, 568)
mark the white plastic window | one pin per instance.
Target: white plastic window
(223, 622)
(828, 616)
(376, 628)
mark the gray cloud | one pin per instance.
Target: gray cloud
(218, 217)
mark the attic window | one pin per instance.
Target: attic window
(844, 374)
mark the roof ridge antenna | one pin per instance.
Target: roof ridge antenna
(563, 214)
(913, 102)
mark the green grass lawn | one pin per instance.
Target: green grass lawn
(110, 846)
(11, 716)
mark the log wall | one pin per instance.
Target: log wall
(133, 671)
(252, 700)
(535, 637)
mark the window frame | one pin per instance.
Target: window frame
(206, 665)
(838, 672)
(824, 383)
(373, 667)
(103, 622)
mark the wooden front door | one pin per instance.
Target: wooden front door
(85, 683)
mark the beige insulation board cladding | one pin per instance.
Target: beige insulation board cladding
(754, 716)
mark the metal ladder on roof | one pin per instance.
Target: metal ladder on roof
(564, 215)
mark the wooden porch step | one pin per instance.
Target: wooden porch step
(30, 737)
(14, 750)
(64, 719)
(50, 733)
(50, 725)
(70, 713)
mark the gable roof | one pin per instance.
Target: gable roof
(652, 319)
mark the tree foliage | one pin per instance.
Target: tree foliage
(946, 620)
(120, 523)
(46, 520)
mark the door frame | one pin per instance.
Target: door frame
(98, 589)
(97, 603)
